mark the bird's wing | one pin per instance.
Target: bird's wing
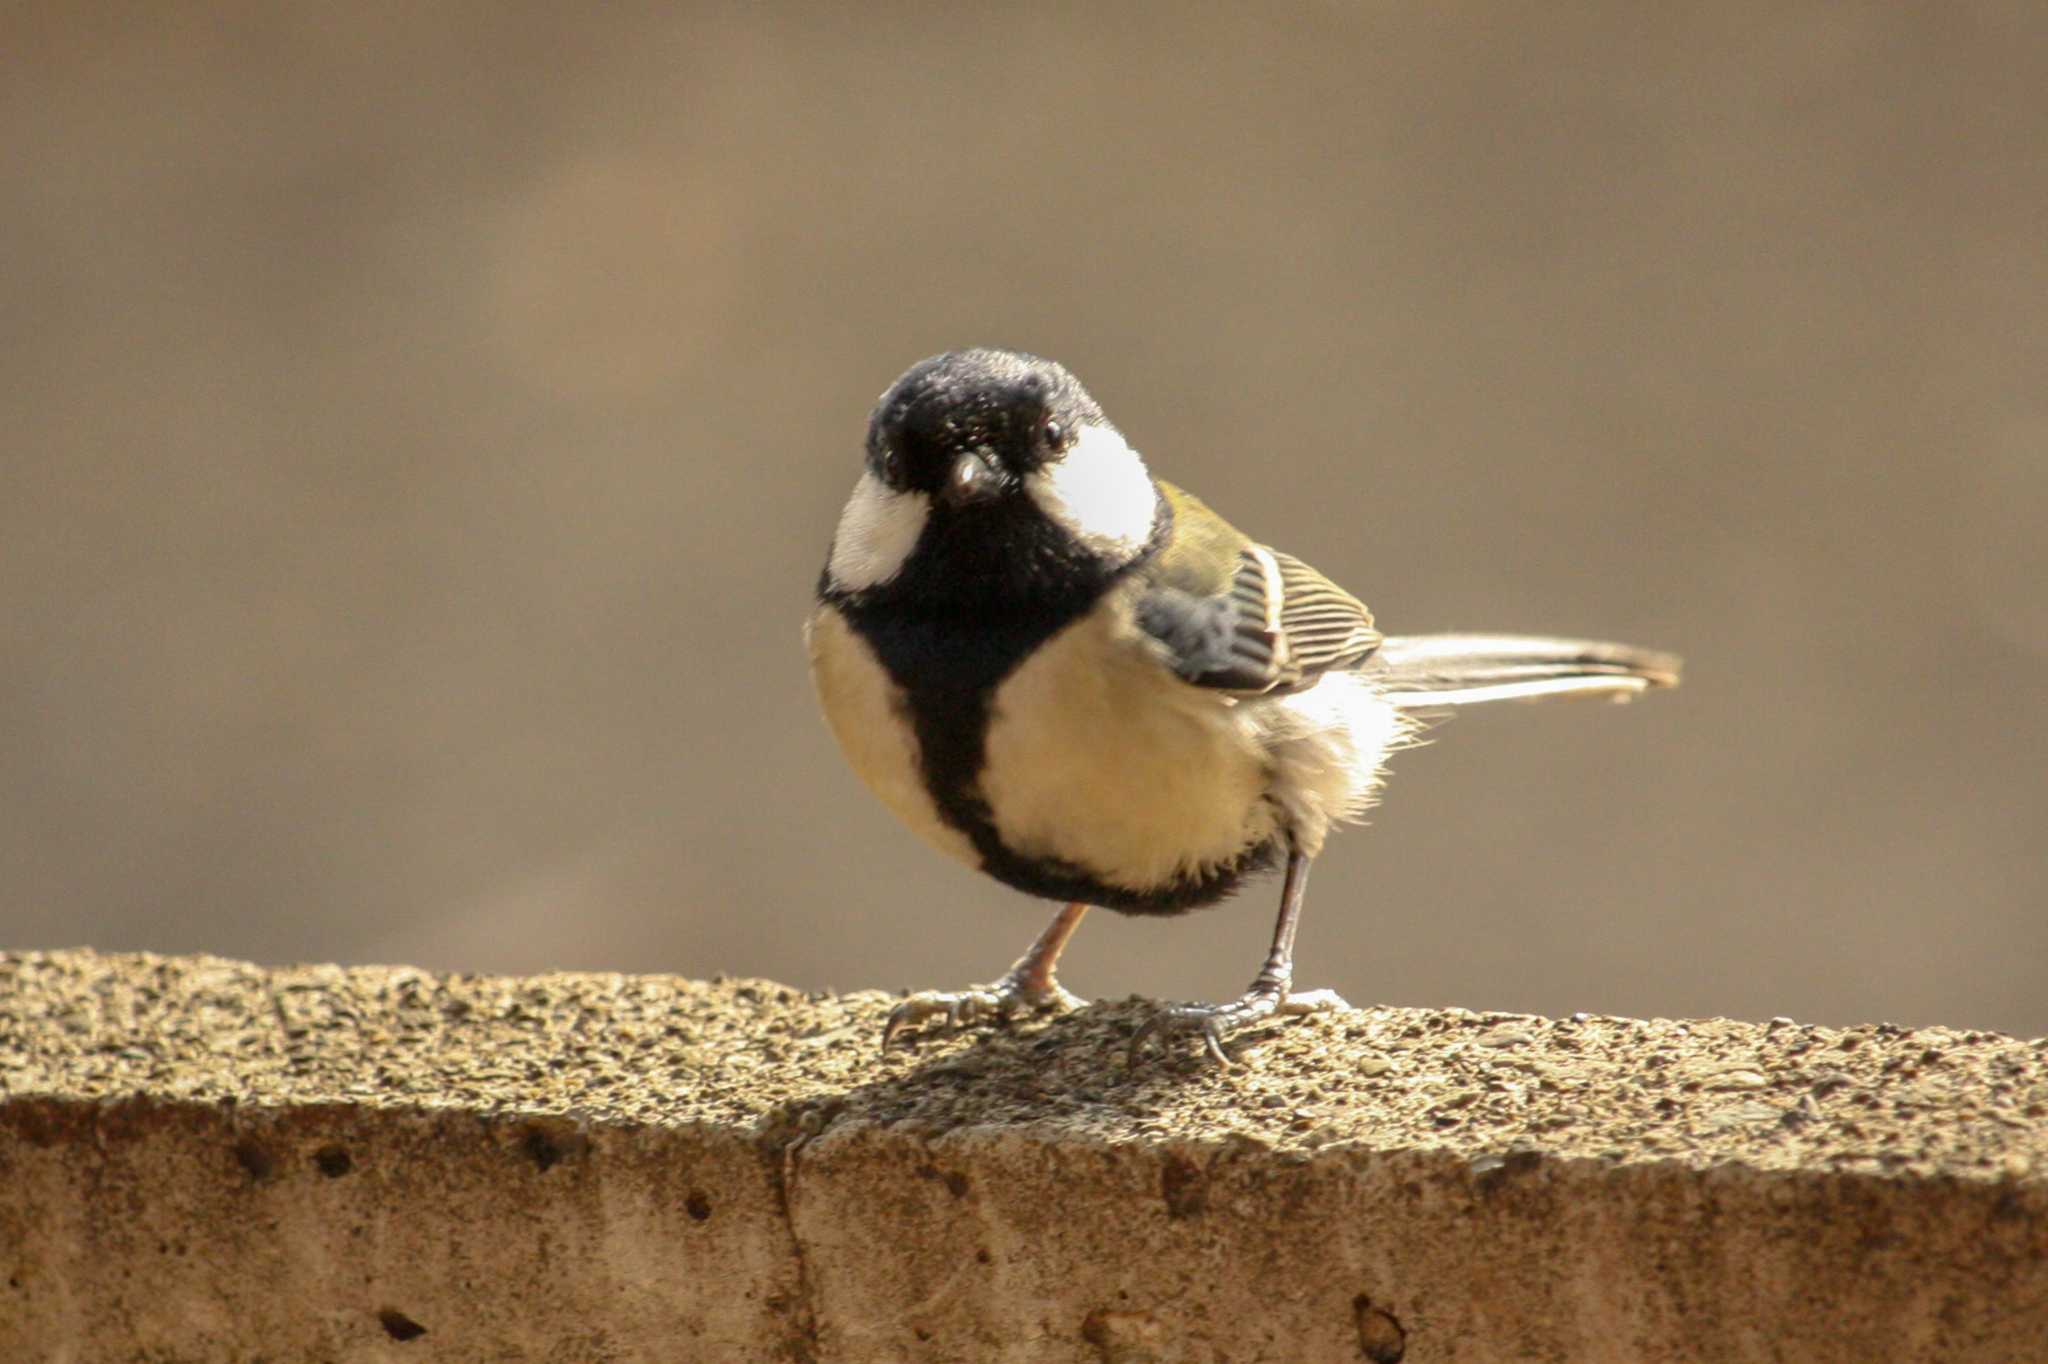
(1276, 626)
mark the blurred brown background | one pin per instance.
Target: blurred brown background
(423, 425)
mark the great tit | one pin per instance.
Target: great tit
(1079, 679)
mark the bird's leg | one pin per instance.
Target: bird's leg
(1028, 985)
(1270, 992)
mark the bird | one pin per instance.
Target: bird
(1075, 677)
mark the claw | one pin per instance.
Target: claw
(964, 1008)
(1214, 1022)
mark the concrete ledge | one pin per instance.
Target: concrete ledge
(206, 1160)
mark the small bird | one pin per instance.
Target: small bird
(1078, 679)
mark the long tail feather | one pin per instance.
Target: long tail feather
(1420, 672)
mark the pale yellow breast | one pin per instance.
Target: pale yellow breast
(864, 708)
(1099, 756)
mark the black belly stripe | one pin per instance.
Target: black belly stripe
(950, 715)
(949, 662)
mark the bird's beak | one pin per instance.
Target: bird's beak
(973, 478)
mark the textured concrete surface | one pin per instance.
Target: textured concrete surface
(206, 1160)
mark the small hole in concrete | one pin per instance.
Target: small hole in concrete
(256, 1161)
(956, 1183)
(334, 1161)
(542, 1150)
(1381, 1338)
(697, 1205)
(982, 1257)
(1496, 1172)
(1124, 1337)
(1184, 1188)
(399, 1326)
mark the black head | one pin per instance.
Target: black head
(969, 424)
(992, 479)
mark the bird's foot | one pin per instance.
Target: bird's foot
(1214, 1022)
(1015, 993)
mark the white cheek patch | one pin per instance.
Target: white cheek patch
(877, 531)
(1100, 493)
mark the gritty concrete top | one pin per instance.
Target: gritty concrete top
(202, 1159)
(662, 1051)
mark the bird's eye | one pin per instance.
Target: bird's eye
(1055, 435)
